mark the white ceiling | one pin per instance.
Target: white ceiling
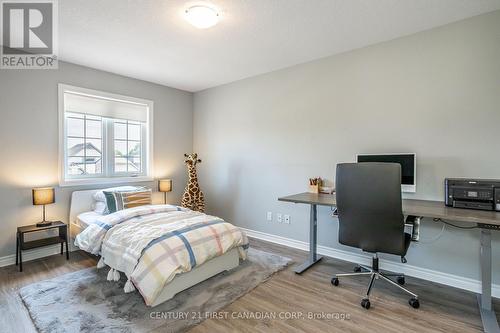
(150, 40)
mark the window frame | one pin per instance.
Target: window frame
(108, 176)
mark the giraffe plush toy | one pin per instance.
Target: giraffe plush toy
(193, 196)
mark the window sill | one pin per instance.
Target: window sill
(104, 181)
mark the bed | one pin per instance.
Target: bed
(82, 216)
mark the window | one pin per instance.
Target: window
(104, 137)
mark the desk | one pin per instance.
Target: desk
(485, 220)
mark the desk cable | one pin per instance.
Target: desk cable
(432, 240)
(454, 225)
(428, 241)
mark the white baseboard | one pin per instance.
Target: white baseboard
(35, 254)
(418, 272)
(31, 255)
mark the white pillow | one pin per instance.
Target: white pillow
(99, 195)
(99, 207)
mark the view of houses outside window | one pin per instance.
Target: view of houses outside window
(85, 145)
(127, 141)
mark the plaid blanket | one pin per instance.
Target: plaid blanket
(91, 238)
(152, 244)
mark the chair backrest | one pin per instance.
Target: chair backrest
(370, 207)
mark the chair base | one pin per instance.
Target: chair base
(376, 274)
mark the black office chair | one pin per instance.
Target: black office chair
(371, 218)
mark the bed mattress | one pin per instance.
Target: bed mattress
(83, 220)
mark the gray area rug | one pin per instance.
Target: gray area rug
(85, 301)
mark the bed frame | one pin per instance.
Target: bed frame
(81, 201)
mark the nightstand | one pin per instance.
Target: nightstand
(22, 245)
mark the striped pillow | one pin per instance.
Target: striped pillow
(117, 200)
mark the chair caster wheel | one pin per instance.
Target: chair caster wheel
(365, 303)
(401, 280)
(335, 281)
(414, 303)
(357, 269)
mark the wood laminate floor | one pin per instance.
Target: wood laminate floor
(294, 298)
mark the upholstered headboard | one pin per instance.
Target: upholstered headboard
(81, 201)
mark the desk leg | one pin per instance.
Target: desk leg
(488, 316)
(313, 235)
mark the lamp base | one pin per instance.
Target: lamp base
(44, 224)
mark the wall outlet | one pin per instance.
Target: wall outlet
(287, 219)
(269, 216)
(279, 218)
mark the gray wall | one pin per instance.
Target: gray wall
(435, 93)
(29, 138)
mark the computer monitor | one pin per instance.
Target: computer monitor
(408, 167)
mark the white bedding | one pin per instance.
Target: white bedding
(83, 220)
(152, 244)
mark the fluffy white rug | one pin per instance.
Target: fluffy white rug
(84, 301)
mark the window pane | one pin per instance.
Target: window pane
(134, 132)
(120, 148)
(134, 148)
(75, 147)
(121, 131)
(120, 164)
(93, 165)
(76, 166)
(75, 127)
(94, 129)
(134, 165)
(93, 147)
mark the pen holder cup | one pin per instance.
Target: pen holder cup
(313, 188)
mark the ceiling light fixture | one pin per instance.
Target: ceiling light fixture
(202, 17)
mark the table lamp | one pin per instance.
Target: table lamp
(43, 196)
(165, 185)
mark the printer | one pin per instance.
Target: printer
(483, 194)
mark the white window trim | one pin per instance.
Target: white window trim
(62, 88)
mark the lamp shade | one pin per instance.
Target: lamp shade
(165, 185)
(43, 196)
